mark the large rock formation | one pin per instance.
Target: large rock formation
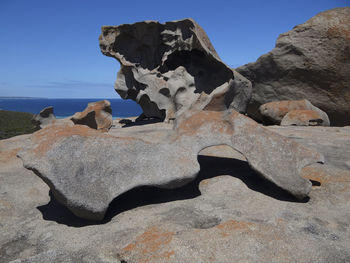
(171, 68)
(311, 61)
(228, 214)
(86, 170)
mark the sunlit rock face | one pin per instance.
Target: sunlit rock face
(87, 169)
(312, 61)
(171, 68)
(97, 115)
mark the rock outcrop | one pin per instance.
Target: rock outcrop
(303, 118)
(86, 170)
(172, 68)
(44, 118)
(311, 61)
(228, 208)
(97, 115)
(304, 113)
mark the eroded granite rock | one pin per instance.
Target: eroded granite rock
(275, 111)
(303, 118)
(234, 215)
(86, 170)
(311, 61)
(97, 115)
(44, 118)
(171, 68)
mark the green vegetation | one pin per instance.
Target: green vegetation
(13, 123)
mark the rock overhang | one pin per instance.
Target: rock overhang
(154, 57)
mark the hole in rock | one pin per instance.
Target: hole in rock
(315, 183)
(208, 72)
(210, 167)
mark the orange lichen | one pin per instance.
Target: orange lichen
(229, 227)
(319, 175)
(149, 245)
(6, 156)
(48, 136)
(304, 115)
(314, 174)
(193, 123)
(284, 106)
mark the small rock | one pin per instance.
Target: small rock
(274, 112)
(302, 118)
(44, 118)
(97, 115)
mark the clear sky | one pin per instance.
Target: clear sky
(49, 48)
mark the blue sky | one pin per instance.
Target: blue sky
(50, 48)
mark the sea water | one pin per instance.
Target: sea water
(67, 107)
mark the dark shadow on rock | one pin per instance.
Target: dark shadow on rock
(146, 195)
(141, 122)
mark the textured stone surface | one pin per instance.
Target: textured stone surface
(87, 170)
(44, 118)
(333, 143)
(235, 216)
(273, 112)
(171, 68)
(311, 61)
(97, 115)
(303, 118)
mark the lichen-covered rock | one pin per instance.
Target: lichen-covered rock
(311, 61)
(302, 118)
(44, 118)
(171, 68)
(86, 170)
(273, 112)
(97, 115)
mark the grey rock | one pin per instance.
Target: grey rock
(274, 112)
(171, 68)
(44, 118)
(86, 170)
(255, 222)
(303, 118)
(333, 143)
(311, 61)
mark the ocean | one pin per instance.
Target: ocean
(67, 107)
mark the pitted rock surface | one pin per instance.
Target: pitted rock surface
(97, 115)
(86, 170)
(311, 61)
(171, 68)
(274, 112)
(44, 118)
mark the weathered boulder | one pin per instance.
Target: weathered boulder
(86, 170)
(311, 61)
(273, 112)
(97, 115)
(44, 118)
(302, 118)
(171, 68)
